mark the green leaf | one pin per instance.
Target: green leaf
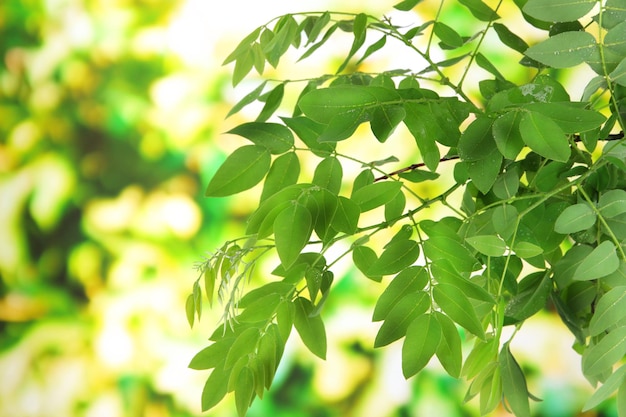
(563, 50)
(558, 10)
(449, 350)
(310, 328)
(273, 205)
(385, 119)
(612, 203)
(395, 208)
(483, 353)
(448, 35)
(410, 280)
(247, 99)
(444, 247)
(507, 184)
(244, 391)
(242, 169)
(400, 317)
(618, 75)
(215, 388)
(423, 128)
(601, 262)
(544, 136)
(485, 64)
(569, 118)
(243, 46)
(319, 23)
(406, 5)
(364, 257)
(484, 172)
(444, 273)
(212, 355)
(480, 10)
(261, 310)
(418, 175)
(273, 136)
(210, 276)
(309, 131)
(242, 346)
(534, 290)
(395, 257)
(601, 356)
(575, 218)
(507, 135)
(272, 101)
(379, 44)
(476, 143)
(359, 28)
(609, 311)
(346, 216)
(243, 65)
(190, 309)
(420, 344)
(328, 174)
(611, 385)
(489, 245)
(509, 38)
(513, 383)
(284, 172)
(456, 305)
(614, 13)
(292, 230)
(375, 195)
(504, 219)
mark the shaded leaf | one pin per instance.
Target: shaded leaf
(513, 383)
(609, 311)
(395, 258)
(408, 281)
(601, 356)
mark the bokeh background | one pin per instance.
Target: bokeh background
(111, 113)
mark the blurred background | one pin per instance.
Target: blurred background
(110, 119)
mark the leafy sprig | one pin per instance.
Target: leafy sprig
(540, 179)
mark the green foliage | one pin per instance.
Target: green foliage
(540, 179)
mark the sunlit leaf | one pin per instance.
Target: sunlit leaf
(310, 328)
(328, 174)
(244, 391)
(420, 343)
(563, 50)
(242, 169)
(395, 258)
(400, 317)
(408, 281)
(449, 350)
(612, 203)
(558, 10)
(375, 195)
(456, 305)
(283, 172)
(292, 230)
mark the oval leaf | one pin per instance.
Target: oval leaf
(610, 310)
(456, 305)
(292, 230)
(544, 136)
(310, 328)
(242, 169)
(420, 344)
(489, 245)
(395, 257)
(273, 136)
(564, 50)
(575, 218)
(375, 195)
(601, 262)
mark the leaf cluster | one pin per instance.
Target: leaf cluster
(540, 178)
